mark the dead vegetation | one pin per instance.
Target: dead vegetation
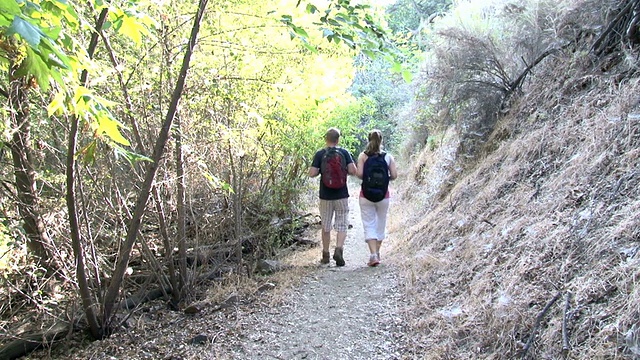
(530, 249)
(556, 208)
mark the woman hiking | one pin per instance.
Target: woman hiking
(376, 168)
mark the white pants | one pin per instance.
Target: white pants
(374, 218)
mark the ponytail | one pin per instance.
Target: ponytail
(375, 143)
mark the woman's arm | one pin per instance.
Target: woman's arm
(361, 159)
(393, 171)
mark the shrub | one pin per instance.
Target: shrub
(480, 56)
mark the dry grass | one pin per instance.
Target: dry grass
(554, 206)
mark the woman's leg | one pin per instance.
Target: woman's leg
(369, 224)
(382, 208)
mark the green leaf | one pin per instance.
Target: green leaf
(30, 33)
(130, 156)
(110, 127)
(35, 66)
(107, 25)
(396, 67)
(311, 9)
(9, 7)
(89, 153)
(407, 76)
(327, 33)
(310, 47)
(370, 54)
(287, 19)
(300, 31)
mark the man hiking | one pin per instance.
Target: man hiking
(333, 164)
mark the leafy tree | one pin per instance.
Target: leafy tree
(243, 128)
(411, 16)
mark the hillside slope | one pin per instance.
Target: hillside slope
(549, 210)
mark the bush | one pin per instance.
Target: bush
(478, 57)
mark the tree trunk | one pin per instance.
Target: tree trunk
(124, 253)
(180, 204)
(140, 148)
(86, 294)
(24, 171)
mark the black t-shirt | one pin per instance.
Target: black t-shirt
(325, 192)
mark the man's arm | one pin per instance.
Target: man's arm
(314, 169)
(351, 166)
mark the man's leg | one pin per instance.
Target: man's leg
(341, 208)
(326, 217)
(326, 240)
(342, 236)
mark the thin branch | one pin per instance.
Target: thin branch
(565, 333)
(124, 255)
(88, 302)
(599, 42)
(517, 83)
(536, 325)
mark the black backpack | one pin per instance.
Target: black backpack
(333, 169)
(375, 177)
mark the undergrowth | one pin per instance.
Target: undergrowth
(537, 228)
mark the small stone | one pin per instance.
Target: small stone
(199, 340)
(269, 266)
(193, 309)
(266, 287)
(232, 300)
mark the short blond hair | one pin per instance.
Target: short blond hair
(332, 135)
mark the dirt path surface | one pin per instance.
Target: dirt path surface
(349, 312)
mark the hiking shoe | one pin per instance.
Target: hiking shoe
(373, 260)
(337, 256)
(325, 257)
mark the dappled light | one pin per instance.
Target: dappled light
(159, 190)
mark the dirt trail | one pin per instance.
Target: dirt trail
(350, 312)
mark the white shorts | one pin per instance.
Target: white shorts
(374, 218)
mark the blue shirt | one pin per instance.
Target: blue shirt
(325, 192)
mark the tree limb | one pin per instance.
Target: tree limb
(158, 152)
(565, 333)
(536, 325)
(88, 302)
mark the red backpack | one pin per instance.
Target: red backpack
(333, 169)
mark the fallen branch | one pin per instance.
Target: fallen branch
(536, 325)
(26, 343)
(603, 42)
(565, 333)
(134, 301)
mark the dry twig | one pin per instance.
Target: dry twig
(565, 319)
(537, 325)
